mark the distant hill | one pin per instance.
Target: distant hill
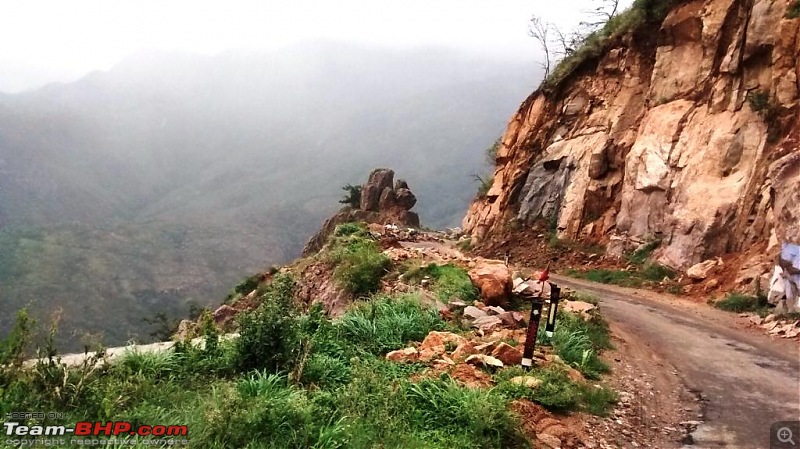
(171, 176)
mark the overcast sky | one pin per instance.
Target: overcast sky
(61, 40)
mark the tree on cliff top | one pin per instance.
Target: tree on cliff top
(352, 196)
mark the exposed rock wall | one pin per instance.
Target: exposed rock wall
(670, 134)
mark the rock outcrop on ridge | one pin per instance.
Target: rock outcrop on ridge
(383, 201)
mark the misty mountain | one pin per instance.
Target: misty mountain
(171, 176)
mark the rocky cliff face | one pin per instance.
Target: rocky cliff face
(687, 133)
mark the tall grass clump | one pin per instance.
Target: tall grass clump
(385, 323)
(441, 407)
(359, 262)
(579, 343)
(738, 302)
(447, 281)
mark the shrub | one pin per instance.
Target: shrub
(12, 348)
(793, 11)
(447, 281)
(386, 323)
(491, 153)
(579, 343)
(557, 392)
(248, 285)
(441, 405)
(484, 185)
(640, 256)
(352, 228)
(152, 365)
(269, 336)
(265, 411)
(360, 264)
(737, 302)
(326, 371)
(597, 400)
(761, 103)
(352, 196)
(657, 272)
(605, 276)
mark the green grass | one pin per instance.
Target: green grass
(585, 297)
(448, 281)
(579, 343)
(640, 256)
(738, 302)
(642, 16)
(650, 272)
(606, 276)
(360, 264)
(309, 382)
(557, 391)
(386, 323)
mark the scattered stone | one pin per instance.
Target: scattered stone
(580, 307)
(507, 354)
(757, 320)
(435, 339)
(700, 271)
(406, 355)
(463, 351)
(711, 284)
(575, 375)
(486, 348)
(484, 360)
(511, 319)
(770, 318)
(184, 330)
(550, 440)
(224, 313)
(455, 305)
(473, 313)
(494, 310)
(487, 323)
(526, 381)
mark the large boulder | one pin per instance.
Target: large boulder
(700, 271)
(404, 198)
(371, 192)
(388, 199)
(493, 280)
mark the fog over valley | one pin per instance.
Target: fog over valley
(163, 181)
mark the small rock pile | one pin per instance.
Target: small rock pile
(775, 326)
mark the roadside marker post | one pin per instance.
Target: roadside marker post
(555, 295)
(537, 304)
(530, 337)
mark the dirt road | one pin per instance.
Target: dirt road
(746, 381)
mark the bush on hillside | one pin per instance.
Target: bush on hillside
(359, 262)
(269, 336)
